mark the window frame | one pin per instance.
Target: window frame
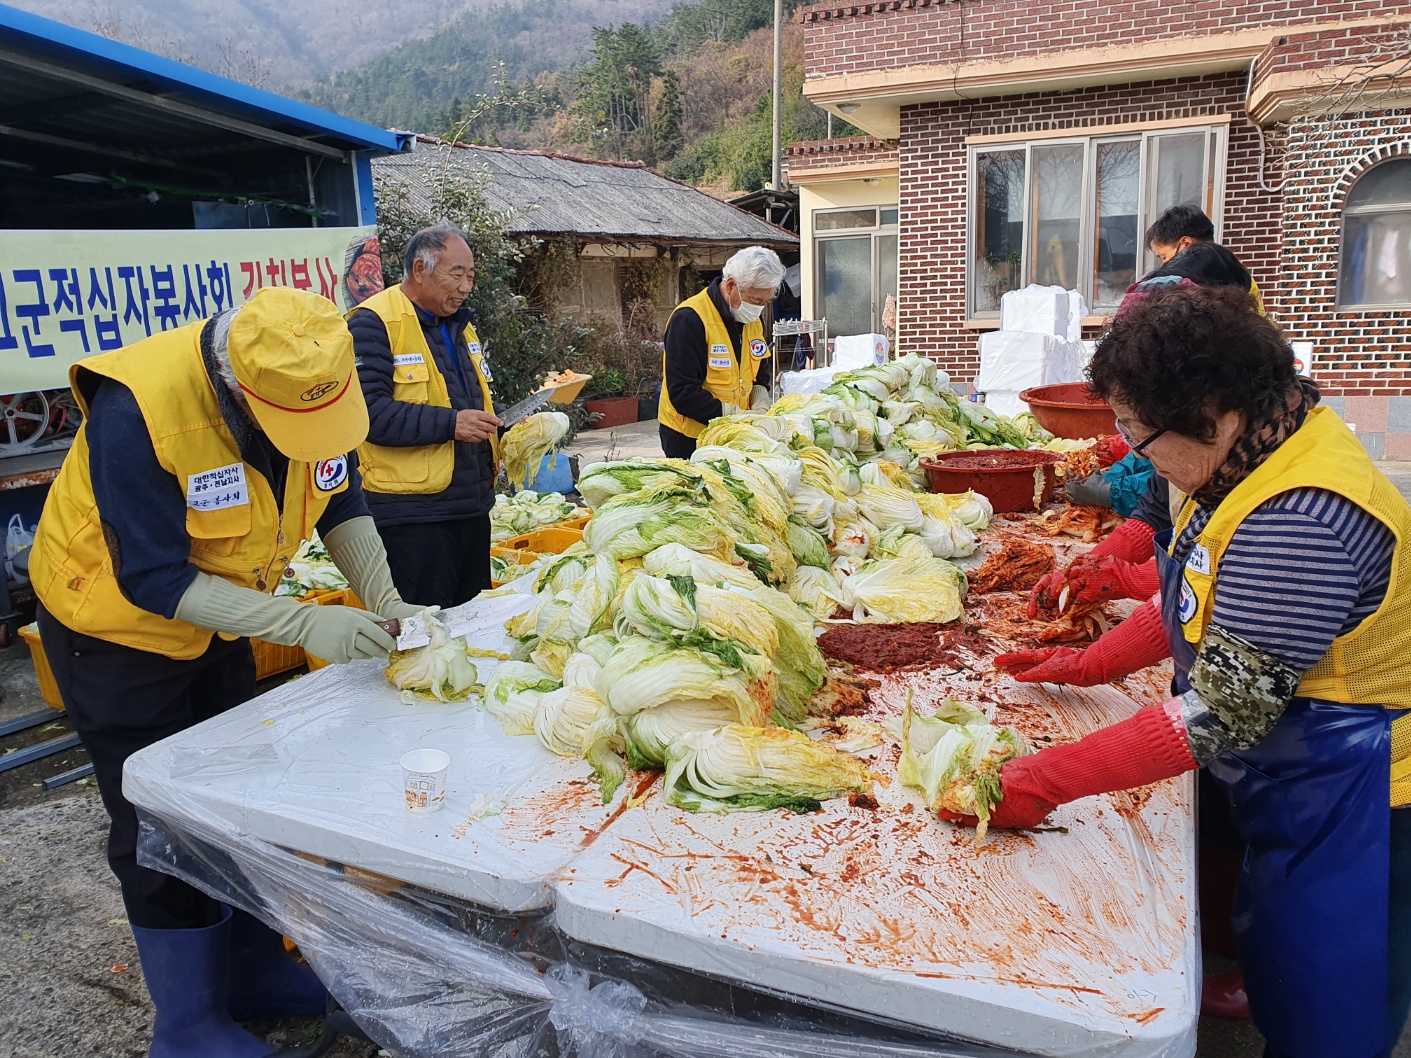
(876, 231)
(1367, 211)
(1217, 147)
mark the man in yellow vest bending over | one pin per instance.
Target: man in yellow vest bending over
(431, 456)
(716, 359)
(206, 455)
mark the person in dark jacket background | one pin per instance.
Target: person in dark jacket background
(716, 360)
(431, 457)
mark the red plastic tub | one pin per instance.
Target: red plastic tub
(1010, 480)
(1070, 410)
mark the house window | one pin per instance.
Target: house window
(1071, 212)
(1376, 238)
(855, 267)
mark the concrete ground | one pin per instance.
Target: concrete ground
(68, 967)
(619, 442)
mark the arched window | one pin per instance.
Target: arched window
(1376, 238)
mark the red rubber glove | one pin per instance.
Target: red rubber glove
(1146, 748)
(1105, 577)
(1130, 542)
(1112, 449)
(1137, 642)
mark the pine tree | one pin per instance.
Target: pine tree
(669, 113)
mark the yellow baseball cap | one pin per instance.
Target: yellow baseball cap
(293, 357)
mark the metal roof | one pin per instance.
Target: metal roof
(551, 194)
(70, 92)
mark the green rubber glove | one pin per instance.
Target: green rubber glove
(334, 633)
(358, 552)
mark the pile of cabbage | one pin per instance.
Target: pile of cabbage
(862, 539)
(671, 619)
(526, 511)
(311, 569)
(900, 412)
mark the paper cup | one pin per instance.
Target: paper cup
(424, 776)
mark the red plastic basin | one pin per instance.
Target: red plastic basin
(1004, 477)
(1070, 410)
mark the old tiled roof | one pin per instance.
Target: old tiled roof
(552, 194)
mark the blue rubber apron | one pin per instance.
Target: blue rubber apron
(1312, 803)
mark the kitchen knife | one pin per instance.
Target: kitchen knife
(528, 406)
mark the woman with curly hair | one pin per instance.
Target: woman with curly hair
(1286, 600)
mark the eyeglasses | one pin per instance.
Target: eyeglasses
(1137, 449)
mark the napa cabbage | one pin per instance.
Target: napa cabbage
(954, 759)
(737, 768)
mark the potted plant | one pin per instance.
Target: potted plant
(648, 399)
(605, 400)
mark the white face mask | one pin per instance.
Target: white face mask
(747, 313)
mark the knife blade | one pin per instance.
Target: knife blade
(528, 406)
(479, 618)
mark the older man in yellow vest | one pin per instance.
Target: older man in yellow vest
(206, 455)
(430, 460)
(716, 358)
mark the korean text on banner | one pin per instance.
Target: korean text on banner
(65, 295)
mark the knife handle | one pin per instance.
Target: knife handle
(393, 627)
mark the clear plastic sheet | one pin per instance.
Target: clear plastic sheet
(562, 926)
(427, 976)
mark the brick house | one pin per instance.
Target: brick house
(1010, 143)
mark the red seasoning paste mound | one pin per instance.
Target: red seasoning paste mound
(887, 648)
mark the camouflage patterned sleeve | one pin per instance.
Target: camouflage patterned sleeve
(1238, 692)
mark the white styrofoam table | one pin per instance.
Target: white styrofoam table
(1058, 943)
(1055, 943)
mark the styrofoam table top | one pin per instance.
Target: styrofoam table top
(1059, 943)
(1071, 943)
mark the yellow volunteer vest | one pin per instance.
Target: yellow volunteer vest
(1368, 665)
(728, 378)
(236, 529)
(416, 380)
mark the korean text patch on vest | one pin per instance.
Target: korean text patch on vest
(759, 349)
(720, 356)
(1199, 560)
(330, 473)
(402, 359)
(473, 348)
(214, 490)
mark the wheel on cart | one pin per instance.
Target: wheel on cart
(24, 419)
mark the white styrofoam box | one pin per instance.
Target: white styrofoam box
(1036, 309)
(1005, 402)
(1086, 356)
(1077, 309)
(814, 381)
(852, 351)
(1016, 360)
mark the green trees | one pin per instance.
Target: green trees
(666, 120)
(615, 90)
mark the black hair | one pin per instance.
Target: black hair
(1183, 356)
(1180, 222)
(1206, 264)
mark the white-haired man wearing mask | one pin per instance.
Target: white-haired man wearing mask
(716, 360)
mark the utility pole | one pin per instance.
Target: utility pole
(776, 180)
